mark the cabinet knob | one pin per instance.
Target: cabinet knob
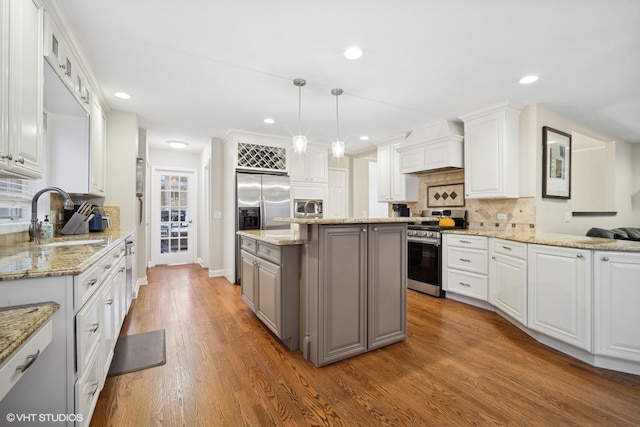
(7, 157)
(493, 258)
(579, 256)
(606, 258)
(364, 230)
(375, 229)
(92, 282)
(20, 160)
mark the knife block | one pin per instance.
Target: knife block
(76, 225)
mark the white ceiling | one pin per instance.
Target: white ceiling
(199, 68)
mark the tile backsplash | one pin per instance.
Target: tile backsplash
(482, 213)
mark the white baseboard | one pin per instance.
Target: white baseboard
(216, 273)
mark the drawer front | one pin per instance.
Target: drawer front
(85, 285)
(108, 263)
(249, 245)
(20, 361)
(88, 389)
(473, 260)
(469, 284)
(269, 252)
(89, 330)
(471, 242)
(509, 248)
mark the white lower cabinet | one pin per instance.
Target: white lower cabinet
(465, 265)
(559, 297)
(270, 286)
(508, 278)
(617, 305)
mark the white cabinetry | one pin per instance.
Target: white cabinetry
(97, 167)
(559, 300)
(310, 166)
(491, 154)
(508, 278)
(465, 265)
(394, 186)
(616, 305)
(21, 88)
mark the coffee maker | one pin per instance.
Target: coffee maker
(400, 210)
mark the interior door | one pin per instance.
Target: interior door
(338, 198)
(174, 216)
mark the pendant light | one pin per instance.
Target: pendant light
(337, 146)
(299, 140)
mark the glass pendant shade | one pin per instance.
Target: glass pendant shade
(299, 144)
(299, 140)
(337, 149)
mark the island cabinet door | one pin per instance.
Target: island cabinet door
(248, 267)
(342, 293)
(387, 295)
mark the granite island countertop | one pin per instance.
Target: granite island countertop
(557, 239)
(18, 323)
(275, 237)
(337, 221)
(30, 260)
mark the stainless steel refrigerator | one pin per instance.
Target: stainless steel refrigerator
(259, 199)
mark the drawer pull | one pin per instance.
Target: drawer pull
(121, 270)
(92, 282)
(465, 284)
(605, 258)
(579, 256)
(108, 266)
(95, 327)
(465, 242)
(507, 248)
(20, 160)
(95, 388)
(109, 302)
(30, 360)
(267, 251)
(465, 260)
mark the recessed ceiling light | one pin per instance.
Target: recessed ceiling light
(269, 121)
(122, 95)
(353, 52)
(528, 79)
(364, 138)
(177, 144)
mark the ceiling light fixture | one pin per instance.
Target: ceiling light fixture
(337, 146)
(122, 95)
(299, 140)
(177, 144)
(528, 79)
(364, 138)
(353, 52)
(269, 121)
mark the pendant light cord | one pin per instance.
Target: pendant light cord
(337, 119)
(299, 110)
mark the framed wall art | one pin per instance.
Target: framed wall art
(556, 164)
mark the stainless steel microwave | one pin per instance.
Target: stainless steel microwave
(307, 208)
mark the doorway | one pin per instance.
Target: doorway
(173, 219)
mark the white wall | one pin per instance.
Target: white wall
(142, 237)
(550, 213)
(216, 231)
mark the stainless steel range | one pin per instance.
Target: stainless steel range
(425, 250)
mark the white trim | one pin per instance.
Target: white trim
(216, 273)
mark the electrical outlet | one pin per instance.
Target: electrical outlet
(217, 214)
(567, 217)
(502, 216)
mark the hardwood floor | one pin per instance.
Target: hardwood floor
(460, 365)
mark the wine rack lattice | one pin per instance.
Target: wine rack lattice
(262, 156)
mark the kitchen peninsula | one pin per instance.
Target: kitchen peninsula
(351, 289)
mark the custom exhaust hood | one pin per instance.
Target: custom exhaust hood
(435, 148)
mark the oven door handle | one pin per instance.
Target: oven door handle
(432, 242)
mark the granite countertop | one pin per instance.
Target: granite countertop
(30, 260)
(334, 221)
(18, 323)
(275, 237)
(558, 239)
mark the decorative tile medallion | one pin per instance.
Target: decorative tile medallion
(449, 196)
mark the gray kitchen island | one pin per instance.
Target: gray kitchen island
(353, 285)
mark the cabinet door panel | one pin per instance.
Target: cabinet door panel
(269, 296)
(343, 293)
(387, 284)
(508, 286)
(248, 288)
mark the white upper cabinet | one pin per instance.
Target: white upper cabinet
(21, 88)
(310, 166)
(97, 175)
(394, 186)
(491, 155)
(435, 148)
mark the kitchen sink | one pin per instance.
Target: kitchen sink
(75, 243)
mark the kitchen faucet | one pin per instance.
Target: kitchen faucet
(35, 226)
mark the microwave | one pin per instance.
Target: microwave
(307, 208)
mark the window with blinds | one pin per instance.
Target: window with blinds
(15, 199)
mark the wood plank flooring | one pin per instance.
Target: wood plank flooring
(460, 365)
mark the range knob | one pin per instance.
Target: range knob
(411, 232)
(422, 233)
